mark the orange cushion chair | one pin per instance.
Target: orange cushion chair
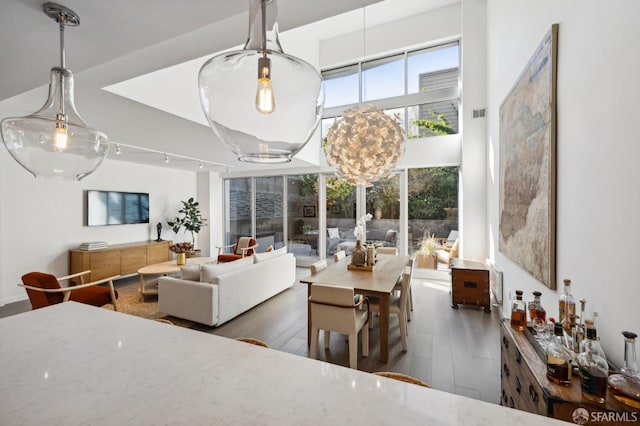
(44, 290)
(244, 247)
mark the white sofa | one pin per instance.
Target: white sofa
(213, 294)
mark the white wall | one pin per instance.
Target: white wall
(597, 150)
(42, 219)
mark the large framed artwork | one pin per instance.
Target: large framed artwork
(528, 165)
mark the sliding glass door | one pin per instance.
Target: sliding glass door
(315, 215)
(432, 203)
(341, 215)
(269, 215)
(383, 203)
(303, 217)
(238, 207)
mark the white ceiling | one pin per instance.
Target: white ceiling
(148, 52)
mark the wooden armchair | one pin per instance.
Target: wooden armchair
(45, 290)
(244, 247)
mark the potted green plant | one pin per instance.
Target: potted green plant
(189, 218)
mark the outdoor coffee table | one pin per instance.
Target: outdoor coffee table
(164, 268)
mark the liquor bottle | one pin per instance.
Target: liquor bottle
(594, 369)
(535, 308)
(518, 312)
(625, 387)
(558, 359)
(588, 324)
(567, 306)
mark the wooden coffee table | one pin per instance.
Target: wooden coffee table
(164, 268)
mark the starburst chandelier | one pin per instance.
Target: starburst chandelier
(364, 145)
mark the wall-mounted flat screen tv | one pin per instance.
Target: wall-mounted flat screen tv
(117, 208)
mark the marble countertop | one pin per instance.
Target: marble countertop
(76, 364)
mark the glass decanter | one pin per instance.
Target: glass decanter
(625, 387)
(535, 307)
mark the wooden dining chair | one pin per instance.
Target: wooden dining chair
(318, 266)
(339, 255)
(252, 341)
(398, 287)
(398, 305)
(334, 308)
(402, 377)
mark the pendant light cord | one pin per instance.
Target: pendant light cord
(62, 63)
(62, 56)
(364, 51)
(263, 6)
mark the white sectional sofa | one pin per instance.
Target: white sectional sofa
(213, 294)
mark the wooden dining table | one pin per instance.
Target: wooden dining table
(378, 283)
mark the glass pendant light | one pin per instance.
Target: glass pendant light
(365, 144)
(262, 103)
(54, 142)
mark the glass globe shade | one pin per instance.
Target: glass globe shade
(264, 115)
(54, 145)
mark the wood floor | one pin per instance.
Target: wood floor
(455, 351)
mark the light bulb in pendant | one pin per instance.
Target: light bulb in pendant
(265, 101)
(60, 135)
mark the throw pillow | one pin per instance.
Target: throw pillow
(190, 272)
(333, 233)
(391, 237)
(209, 273)
(261, 257)
(268, 249)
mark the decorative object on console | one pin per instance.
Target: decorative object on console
(181, 250)
(159, 228)
(528, 165)
(364, 145)
(54, 142)
(93, 245)
(257, 127)
(191, 219)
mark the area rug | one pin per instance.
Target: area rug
(130, 302)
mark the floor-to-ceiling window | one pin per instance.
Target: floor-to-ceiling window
(341, 215)
(269, 208)
(238, 200)
(432, 203)
(383, 203)
(303, 217)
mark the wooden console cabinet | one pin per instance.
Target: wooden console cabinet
(470, 284)
(524, 385)
(119, 259)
